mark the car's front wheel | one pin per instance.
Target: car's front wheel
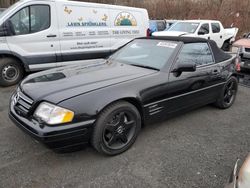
(228, 94)
(116, 128)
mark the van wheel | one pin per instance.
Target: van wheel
(11, 71)
(116, 128)
(228, 94)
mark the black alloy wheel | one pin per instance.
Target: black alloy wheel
(228, 94)
(116, 128)
(119, 130)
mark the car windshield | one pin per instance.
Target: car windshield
(185, 27)
(146, 53)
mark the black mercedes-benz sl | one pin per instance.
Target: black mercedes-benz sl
(107, 102)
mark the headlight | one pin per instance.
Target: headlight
(52, 114)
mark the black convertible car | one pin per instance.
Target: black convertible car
(107, 102)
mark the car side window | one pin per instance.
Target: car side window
(215, 27)
(199, 53)
(204, 29)
(30, 19)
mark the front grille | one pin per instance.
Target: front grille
(22, 103)
(247, 49)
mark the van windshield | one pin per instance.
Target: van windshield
(146, 53)
(185, 27)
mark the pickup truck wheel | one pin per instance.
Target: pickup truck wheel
(228, 94)
(11, 71)
(116, 129)
(226, 46)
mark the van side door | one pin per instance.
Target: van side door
(33, 34)
(84, 31)
(127, 25)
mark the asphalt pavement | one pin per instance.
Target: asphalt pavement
(197, 149)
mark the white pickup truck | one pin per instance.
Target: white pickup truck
(209, 29)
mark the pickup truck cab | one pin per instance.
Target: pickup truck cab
(41, 34)
(208, 29)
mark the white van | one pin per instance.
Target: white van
(41, 34)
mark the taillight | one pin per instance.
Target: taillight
(237, 64)
(148, 32)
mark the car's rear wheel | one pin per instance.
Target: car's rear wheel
(116, 128)
(228, 94)
(11, 71)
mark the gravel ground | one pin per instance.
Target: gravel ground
(196, 149)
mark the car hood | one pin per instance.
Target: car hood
(59, 84)
(169, 33)
(242, 42)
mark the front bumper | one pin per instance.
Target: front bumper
(58, 137)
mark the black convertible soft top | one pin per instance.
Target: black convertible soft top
(219, 55)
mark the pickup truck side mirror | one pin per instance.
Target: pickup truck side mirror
(185, 67)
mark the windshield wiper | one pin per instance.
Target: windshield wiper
(144, 66)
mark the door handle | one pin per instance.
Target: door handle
(51, 36)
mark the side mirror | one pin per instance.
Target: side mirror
(185, 67)
(3, 30)
(201, 32)
(7, 29)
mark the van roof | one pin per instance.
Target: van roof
(79, 2)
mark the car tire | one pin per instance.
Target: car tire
(116, 128)
(228, 94)
(11, 71)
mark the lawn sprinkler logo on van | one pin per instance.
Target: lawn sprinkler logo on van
(125, 19)
(87, 24)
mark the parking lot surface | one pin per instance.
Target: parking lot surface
(196, 149)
